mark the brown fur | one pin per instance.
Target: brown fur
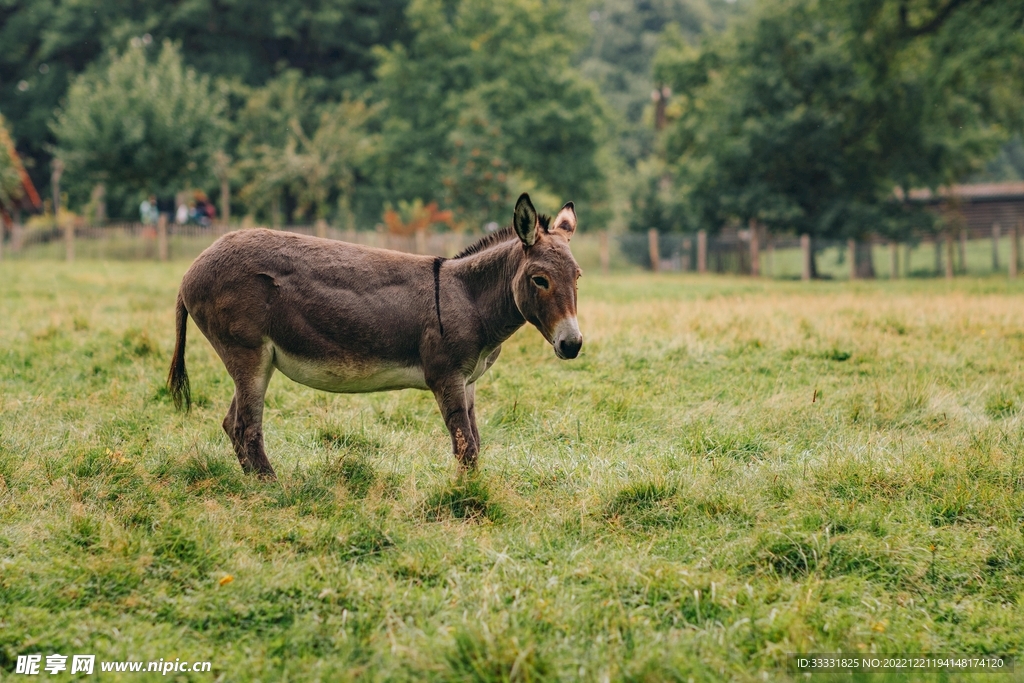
(345, 317)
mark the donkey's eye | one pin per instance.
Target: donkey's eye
(541, 282)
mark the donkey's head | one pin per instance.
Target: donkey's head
(544, 286)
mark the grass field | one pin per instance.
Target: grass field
(732, 471)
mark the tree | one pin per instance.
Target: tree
(472, 67)
(805, 115)
(476, 178)
(47, 44)
(10, 172)
(301, 153)
(141, 125)
(620, 53)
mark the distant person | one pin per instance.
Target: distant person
(203, 212)
(148, 211)
(181, 216)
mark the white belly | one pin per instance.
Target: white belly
(349, 379)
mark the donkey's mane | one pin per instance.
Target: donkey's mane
(497, 237)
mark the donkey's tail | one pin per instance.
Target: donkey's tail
(177, 378)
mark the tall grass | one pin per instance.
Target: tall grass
(732, 471)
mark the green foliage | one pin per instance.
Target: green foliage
(292, 146)
(10, 170)
(47, 44)
(476, 178)
(654, 200)
(141, 125)
(620, 54)
(805, 115)
(494, 78)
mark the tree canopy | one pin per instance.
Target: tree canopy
(675, 114)
(10, 171)
(49, 42)
(141, 125)
(806, 115)
(486, 89)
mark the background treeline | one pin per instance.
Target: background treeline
(672, 114)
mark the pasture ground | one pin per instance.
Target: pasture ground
(732, 471)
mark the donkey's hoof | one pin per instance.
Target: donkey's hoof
(266, 475)
(468, 465)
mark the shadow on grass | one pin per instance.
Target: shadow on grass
(204, 472)
(468, 498)
(353, 465)
(644, 505)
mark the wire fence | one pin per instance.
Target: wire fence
(973, 253)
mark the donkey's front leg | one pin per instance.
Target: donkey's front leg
(450, 393)
(471, 404)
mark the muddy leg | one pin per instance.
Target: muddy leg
(471, 402)
(251, 370)
(450, 394)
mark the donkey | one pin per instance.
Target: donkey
(347, 318)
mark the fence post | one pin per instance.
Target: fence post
(69, 241)
(769, 248)
(851, 249)
(949, 255)
(995, 247)
(225, 203)
(963, 251)
(421, 241)
(321, 228)
(98, 198)
(69, 229)
(937, 243)
(805, 250)
(687, 247)
(652, 247)
(17, 234)
(605, 257)
(161, 237)
(1014, 253)
(702, 251)
(894, 260)
(755, 250)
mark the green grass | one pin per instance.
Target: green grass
(733, 470)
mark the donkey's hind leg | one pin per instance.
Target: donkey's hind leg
(229, 423)
(251, 370)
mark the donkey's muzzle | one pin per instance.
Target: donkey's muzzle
(567, 339)
(570, 348)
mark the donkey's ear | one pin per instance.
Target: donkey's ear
(525, 220)
(565, 221)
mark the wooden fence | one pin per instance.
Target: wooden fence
(969, 251)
